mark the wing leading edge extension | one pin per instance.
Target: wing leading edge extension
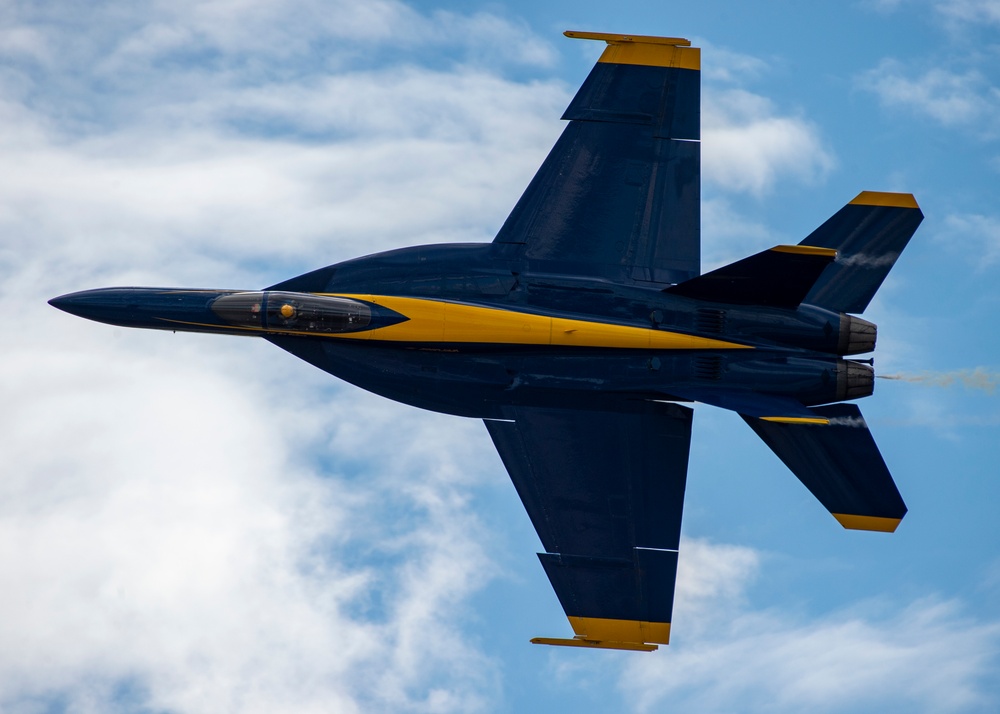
(618, 196)
(605, 492)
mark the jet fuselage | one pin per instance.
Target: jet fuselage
(457, 329)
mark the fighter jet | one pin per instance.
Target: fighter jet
(582, 330)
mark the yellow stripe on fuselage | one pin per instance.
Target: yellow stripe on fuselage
(451, 322)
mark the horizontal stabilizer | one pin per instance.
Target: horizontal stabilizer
(779, 277)
(840, 465)
(868, 234)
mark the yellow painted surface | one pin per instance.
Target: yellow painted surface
(883, 198)
(805, 250)
(438, 321)
(796, 420)
(576, 642)
(867, 523)
(606, 630)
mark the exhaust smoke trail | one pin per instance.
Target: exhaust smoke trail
(978, 378)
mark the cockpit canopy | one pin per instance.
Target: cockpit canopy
(293, 312)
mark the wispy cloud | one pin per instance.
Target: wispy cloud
(949, 98)
(960, 13)
(926, 655)
(976, 234)
(719, 64)
(982, 12)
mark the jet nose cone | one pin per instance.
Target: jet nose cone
(62, 302)
(154, 308)
(81, 304)
(128, 307)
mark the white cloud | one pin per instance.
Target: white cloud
(180, 514)
(950, 98)
(719, 64)
(979, 12)
(311, 169)
(957, 12)
(205, 524)
(975, 235)
(924, 656)
(747, 146)
(243, 199)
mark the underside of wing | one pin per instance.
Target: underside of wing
(605, 492)
(618, 196)
(839, 463)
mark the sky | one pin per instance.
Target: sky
(197, 523)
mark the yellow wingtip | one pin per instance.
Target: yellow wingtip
(885, 198)
(867, 523)
(603, 629)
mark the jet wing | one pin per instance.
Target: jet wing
(605, 492)
(618, 196)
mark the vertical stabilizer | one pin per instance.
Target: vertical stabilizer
(868, 234)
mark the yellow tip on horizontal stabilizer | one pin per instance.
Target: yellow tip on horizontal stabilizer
(883, 198)
(644, 50)
(867, 523)
(806, 250)
(796, 420)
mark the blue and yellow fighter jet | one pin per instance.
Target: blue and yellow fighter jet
(577, 331)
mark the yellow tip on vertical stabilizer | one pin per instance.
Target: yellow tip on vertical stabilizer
(884, 198)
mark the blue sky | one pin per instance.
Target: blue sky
(201, 524)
